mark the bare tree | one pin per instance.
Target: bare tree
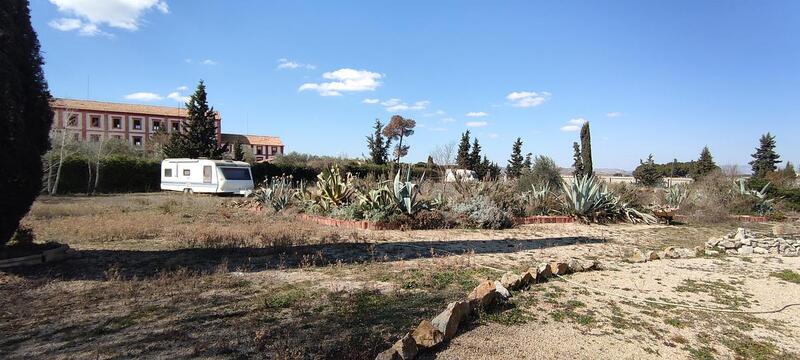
(443, 158)
(66, 147)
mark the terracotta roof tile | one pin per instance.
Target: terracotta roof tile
(252, 139)
(92, 105)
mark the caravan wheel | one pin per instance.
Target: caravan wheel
(188, 191)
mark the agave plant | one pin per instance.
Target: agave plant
(587, 199)
(380, 199)
(333, 188)
(764, 205)
(405, 194)
(676, 195)
(537, 195)
(276, 192)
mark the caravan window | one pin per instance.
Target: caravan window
(232, 173)
(167, 172)
(207, 174)
(186, 172)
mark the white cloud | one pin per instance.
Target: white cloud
(182, 88)
(178, 97)
(448, 120)
(208, 62)
(476, 123)
(493, 136)
(398, 105)
(144, 96)
(435, 113)
(345, 80)
(476, 114)
(284, 63)
(526, 99)
(391, 102)
(573, 125)
(88, 15)
(370, 101)
(613, 114)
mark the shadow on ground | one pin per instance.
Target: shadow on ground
(93, 264)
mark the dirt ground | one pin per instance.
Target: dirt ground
(160, 275)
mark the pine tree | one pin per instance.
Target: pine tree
(462, 157)
(198, 138)
(789, 172)
(577, 163)
(399, 128)
(475, 155)
(378, 145)
(705, 164)
(483, 169)
(528, 163)
(238, 152)
(586, 150)
(493, 171)
(647, 172)
(25, 115)
(765, 159)
(515, 162)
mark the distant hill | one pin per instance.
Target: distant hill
(599, 171)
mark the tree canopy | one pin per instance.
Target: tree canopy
(765, 159)
(378, 145)
(198, 138)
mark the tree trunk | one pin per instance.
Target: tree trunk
(49, 171)
(96, 175)
(399, 149)
(60, 161)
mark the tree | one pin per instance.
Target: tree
(705, 164)
(586, 150)
(647, 173)
(25, 115)
(493, 171)
(443, 158)
(788, 171)
(765, 160)
(528, 163)
(483, 168)
(238, 152)
(577, 162)
(198, 137)
(475, 155)
(515, 162)
(378, 145)
(398, 129)
(544, 171)
(462, 157)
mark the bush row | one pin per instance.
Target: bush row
(308, 173)
(117, 175)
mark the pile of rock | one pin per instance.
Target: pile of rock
(745, 242)
(488, 294)
(670, 252)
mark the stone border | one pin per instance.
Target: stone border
(742, 218)
(544, 219)
(430, 334)
(348, 224)
(745, 242)
(49, 255)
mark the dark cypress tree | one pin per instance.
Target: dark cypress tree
(25, 115)
(493, 171)
(199, 136)
(647, 173)
(475, 155)
(238, 152)
(528, 163)
(705, 164)
(462, 157)
(515, 162)
(577, 162)
(378, 145)
(765, 160)
(586, 150)
(483, 169)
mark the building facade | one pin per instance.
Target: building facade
(95, 121)
(264, 148)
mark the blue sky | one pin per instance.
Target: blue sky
(651, 77)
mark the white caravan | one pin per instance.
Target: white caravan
(206, 176)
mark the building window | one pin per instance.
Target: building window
(116, 122)
(156, 125)
(167, 172)
(176, 126)
(137, 124)
(94, 138)
(137, 141)
(274, 150)
(186, 172)
(118, 137)
(259, 151)
(76, 137)
(95, 121)
(72, 120)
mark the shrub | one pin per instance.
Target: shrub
(117, 175)
(431, 219)
(544, 172)
(482, 212)
(348, 212)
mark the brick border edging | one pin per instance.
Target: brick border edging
(46, 256)
(370, 225)
(742, 218)
(544, 219)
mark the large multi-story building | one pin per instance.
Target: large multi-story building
(88, 120)
(264, 148)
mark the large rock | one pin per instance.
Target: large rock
(403, 349)
(426, 335)
(501, 290)
(558, 267)
(651, 256)
(760, 250)
(741, 234)
(448, 320)
(511, 281)
(684, 253)
(637, 257)
(529, 277)
(727, 244)
(712, 242)
(575, 265)
(483, 295)
(543, 272)
(669, 252)
(745, 250)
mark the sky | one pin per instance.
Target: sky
(660, 77)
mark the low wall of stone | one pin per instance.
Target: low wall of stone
(745, 242)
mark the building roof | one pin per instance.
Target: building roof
(252, 139)
(92, 105)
